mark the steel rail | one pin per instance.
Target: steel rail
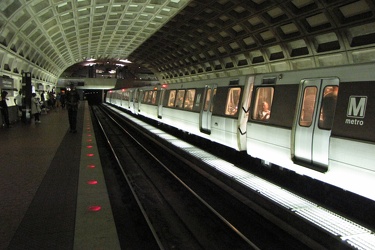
(222, 218)
(144, 213)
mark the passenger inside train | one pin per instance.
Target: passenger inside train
(232, 101)
(265, 113)
(172, 97)
(327, 110)
(263, 103)
(189, 99)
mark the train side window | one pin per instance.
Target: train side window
(145, 97)
(189, 99)
(197, 101)
(153, 97)
(150, 94)
(233, 99)
(136, 95)
(308, 104)
(263, 103)
(327, 110)
(172, 98)
(207, 100)
(165, 97)
(180, 98)
(213, 99)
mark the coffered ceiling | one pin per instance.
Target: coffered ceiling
(183, 40)
(54, 34)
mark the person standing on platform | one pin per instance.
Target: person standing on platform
(72, 101)
(4, 109)
(18, 102)
(35, 108)
(43, 100)
(62, 100)
(58, 100)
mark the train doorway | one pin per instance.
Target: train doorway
(207, 107)
(314, 122)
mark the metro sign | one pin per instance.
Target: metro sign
(356, 110)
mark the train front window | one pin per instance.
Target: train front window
(327, 110)
(308, 104)
(233, 99)
(263, 103)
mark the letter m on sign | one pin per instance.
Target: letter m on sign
(357, 106)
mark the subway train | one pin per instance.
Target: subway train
(318, 122)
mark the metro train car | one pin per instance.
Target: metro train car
(190, 107)
(318, 122)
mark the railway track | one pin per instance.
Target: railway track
(189, 206)
(183, 207)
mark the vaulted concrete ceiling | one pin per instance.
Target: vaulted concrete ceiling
(54, 34)
(212, 38)
(184, 40)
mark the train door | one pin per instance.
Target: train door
(141, 96)
(314, 122)
(160, 102)
(127, 99)
(206, 110)
(121, 97)
(243, 113)
(136, 101)
(131, 100)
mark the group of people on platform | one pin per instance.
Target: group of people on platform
(70, 100)
(52, 100)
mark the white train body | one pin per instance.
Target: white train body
(319, 123)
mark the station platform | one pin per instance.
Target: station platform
(52, 188)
